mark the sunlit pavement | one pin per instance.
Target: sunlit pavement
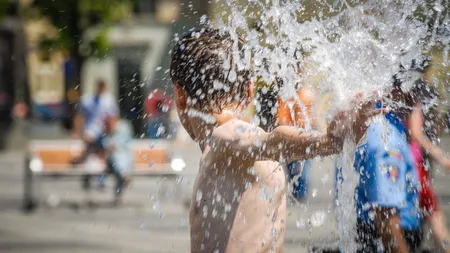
(151, 219)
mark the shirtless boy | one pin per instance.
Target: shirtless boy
(239, 200)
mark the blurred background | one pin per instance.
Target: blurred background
(53, 52)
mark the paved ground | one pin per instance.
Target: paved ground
(152, 219)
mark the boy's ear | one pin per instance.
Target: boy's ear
(251, 91)
(180, 96)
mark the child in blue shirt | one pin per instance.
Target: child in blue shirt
(386, 196)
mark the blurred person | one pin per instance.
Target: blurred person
(119, 154)
(387, 193)
(94, 112)
(425, 151)
(240, 161)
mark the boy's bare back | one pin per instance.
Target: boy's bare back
(239, 204)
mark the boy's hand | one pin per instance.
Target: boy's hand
(354, 119)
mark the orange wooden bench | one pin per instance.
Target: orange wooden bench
(52, 158)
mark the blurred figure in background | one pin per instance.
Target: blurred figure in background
(387, 194)
(94, 113)
(157, 107)
(423, 135)
(119, 154)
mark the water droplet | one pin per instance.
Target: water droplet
(445, 244)
(241, 129)
(199, 197)
(314, 192)
(227, 208)
(300, 223)
(318, 218)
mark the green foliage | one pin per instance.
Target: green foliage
(71, 17)
(64, 15)
(100, 46)
(3, 6)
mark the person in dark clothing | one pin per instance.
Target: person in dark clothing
(14, 92)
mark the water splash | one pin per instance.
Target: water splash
(345, 204)
(358, 48)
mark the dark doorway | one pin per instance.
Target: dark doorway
(131, 94)
(6, 85)
(6, 76)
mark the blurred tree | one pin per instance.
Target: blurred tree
(3, 7)
(72, 17)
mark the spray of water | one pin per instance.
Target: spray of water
(358, 48)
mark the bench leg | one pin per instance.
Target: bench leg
(29, 202)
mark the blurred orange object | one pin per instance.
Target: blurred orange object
(290, 112)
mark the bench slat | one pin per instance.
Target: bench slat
(63, 158)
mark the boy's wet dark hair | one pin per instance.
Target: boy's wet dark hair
(418, 65)
(416, 92)
(204, 65)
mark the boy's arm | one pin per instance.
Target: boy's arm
(248, 143)
(290, 143)
(287, 143)
(388, 227)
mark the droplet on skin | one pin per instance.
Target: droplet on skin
(199, 197)
(227, 207)
(445, 244)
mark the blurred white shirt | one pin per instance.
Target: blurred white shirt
(96, 111)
